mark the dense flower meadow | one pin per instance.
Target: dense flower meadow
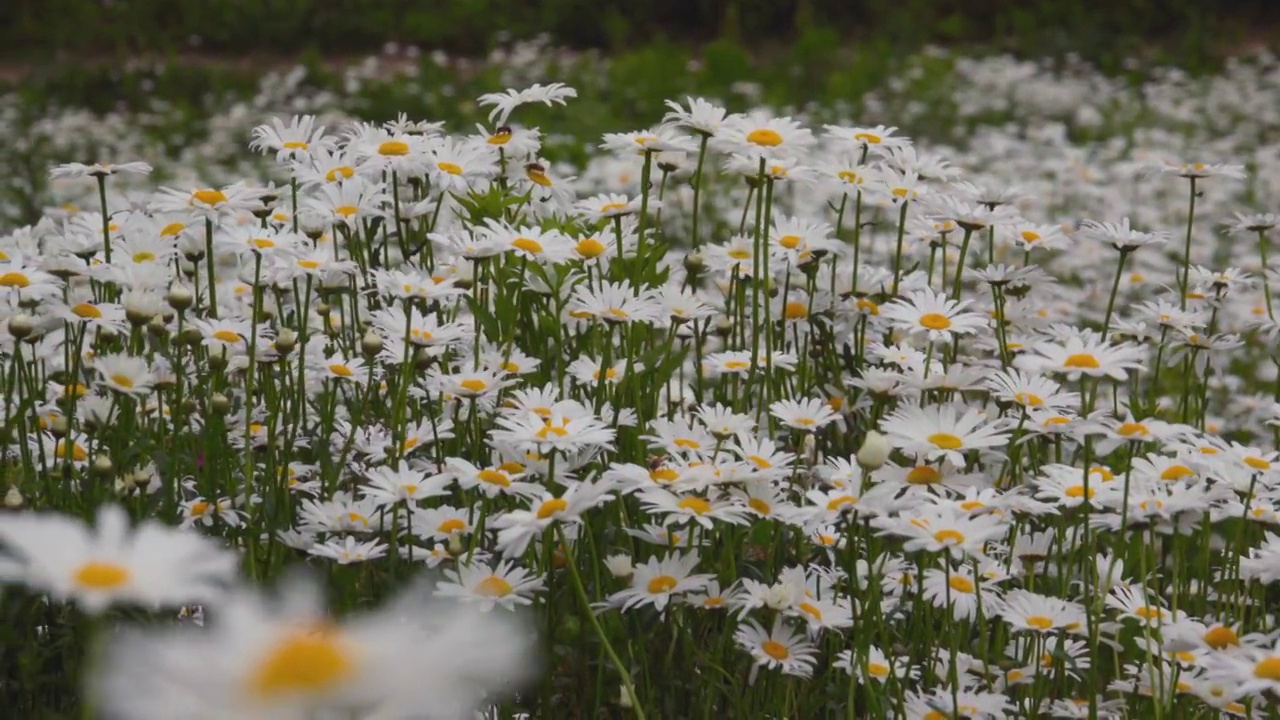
(750, 414)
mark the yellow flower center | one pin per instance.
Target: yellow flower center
(765, 137)
(1077, 491)
(949, 537)
(303, 662)
(14, 279)
(790, 242)
(795, 310)
(226, 336)
(1176, 472)
(87, 310)
(1029, 399)
(1257, 463)
(662, 584)
(739, 254)
(1039, 622)
(1029, 236)
(1221, 637)
(663, 475)
(393, 147)
(698, 505)
(737, 365)
(1146, 612)
(840, 501)
(864, 305)
(74, 451)
(946, 441)
(474, 385)
(451, 168)
(208, 197)
(99, 575)
(170, 230)
(688, 444)
(589, 248)
(528, 245)
(1081, 360)
(935, 321)
(551, 507)
(868, 138)
(123, 381)
(1268, 668)
(775, 650)
(342, 172)
(878, 669)
(494, 477)
(493, 587)
(960, 583)
(340, 370)
(1131, 428)
(923, 475)
(538, 177)
(143, 256)
(811, 610)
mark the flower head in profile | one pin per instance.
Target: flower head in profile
(504, 103)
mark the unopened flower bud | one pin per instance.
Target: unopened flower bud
(874, 451)
(102, 466)
(21, 326)
(286, 340)
(371, 344)
(619, 566)
(180, 298)
(220, 403)
(13, 499)
(456, 548)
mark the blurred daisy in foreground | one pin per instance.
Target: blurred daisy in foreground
(151, 565)
(285, 658)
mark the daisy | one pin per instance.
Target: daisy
(150, 565)
(938, 432)
(290, 142)
(926, 311)
(125, 373)
(779, 648)
(492, 480)
(757, 135)
(655, 582)
(1085, 354)
(442, 523)
(564, 432)
(388, 486)
(940, 528)
(958, 588)
(506, 585)
(348, 550)
(701, 117)
(504, 103)
(516, 528)
(1027, 611)
(210, 203)
(97, 170)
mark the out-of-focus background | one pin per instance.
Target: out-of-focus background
(1190, 31)
(179, 82)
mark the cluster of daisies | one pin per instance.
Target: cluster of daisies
(797, 420)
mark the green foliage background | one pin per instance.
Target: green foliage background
(1105, 31)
